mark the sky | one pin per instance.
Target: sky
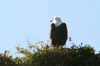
(22, 20)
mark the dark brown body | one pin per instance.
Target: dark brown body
(58, 35)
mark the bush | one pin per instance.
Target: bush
(43, 55)
(63, 57)
(6, 60)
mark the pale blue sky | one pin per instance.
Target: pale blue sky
(30, 19)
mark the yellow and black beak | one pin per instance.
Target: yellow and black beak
(51, 20)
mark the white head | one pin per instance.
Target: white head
(56, 20)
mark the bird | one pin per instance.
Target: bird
(58, 32)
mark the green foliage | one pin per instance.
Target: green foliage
(6, 60)
(41, 54)
(75, 56)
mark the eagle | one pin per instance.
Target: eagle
(58, 32)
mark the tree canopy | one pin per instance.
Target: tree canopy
(40, 54)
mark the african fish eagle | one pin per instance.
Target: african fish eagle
(58, 32)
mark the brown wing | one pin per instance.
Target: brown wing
(63, 34)
(66, 31)
(52, 26)
(52, 33)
